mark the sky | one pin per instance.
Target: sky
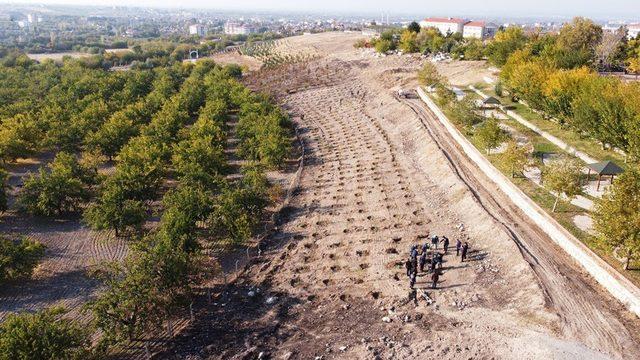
(626, 8)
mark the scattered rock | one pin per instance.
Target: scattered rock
(271, 299)
(386, 319)
(342, 348)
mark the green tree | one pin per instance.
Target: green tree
(18, 259)
(414, 27)
(62, 188)
(114, 210)
(505, 43)
(143, 291)
(445, 96)
(199, 159)
(112, 135)
(429, 75)
(464, 112)
(20, 137)
(43, 335)
(184, 207)
(514, 158)
(408, 41)
(617, 216)
(577, 42)
(489, 134)
(383, 46)
(563, 177)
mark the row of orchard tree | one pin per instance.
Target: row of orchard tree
(166, 143)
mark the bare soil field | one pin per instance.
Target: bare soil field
(381, 175)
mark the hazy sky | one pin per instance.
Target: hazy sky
(628, 8)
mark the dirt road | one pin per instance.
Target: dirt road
(381, 176)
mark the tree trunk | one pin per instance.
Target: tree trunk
(555, 204)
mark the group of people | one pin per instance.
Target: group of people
(418, 261)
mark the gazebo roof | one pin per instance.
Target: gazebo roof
(491, 101)
(606, 168)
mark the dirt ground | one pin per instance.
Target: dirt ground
(381, 175)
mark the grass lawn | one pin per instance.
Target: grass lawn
(565, 212)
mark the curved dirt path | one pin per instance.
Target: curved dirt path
(377, 181)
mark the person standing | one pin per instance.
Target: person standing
(465, 249)
(407, 265)
(458, 247)
(435, 241)
(434, 279)
(445, 244)
(414, 251)
(414, 265)
(412, 280)
(423, 261)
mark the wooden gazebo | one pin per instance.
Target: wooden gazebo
(604, 168)
(491, 102)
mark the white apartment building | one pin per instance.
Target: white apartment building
(234, 28)
(445, 25)
(197, 29)
(479, 30)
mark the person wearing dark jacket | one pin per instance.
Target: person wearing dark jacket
(423, 261)
(458, 247)
(435, 241)
(434, 279)
(407, 265)
(445, 244)
(465, 248)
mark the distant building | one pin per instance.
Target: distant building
(197, 29)
(234, 28)
(445, 25)
(479, 30)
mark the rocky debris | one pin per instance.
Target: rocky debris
(386, 319)
(271, 300)
(426, 297)
(343, 348)
(459, 304)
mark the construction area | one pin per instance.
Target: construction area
(380, 175)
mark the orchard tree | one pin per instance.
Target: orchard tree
(489, 134)
(19, 259)
(184, 207)
(145, 289)
(514, 158)
(617, 216)
(44, 335)
(563, 177)
(141, 167)
(62, 188)
(112, 135)
(199, 158)
(113, 210)
(20, 137)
